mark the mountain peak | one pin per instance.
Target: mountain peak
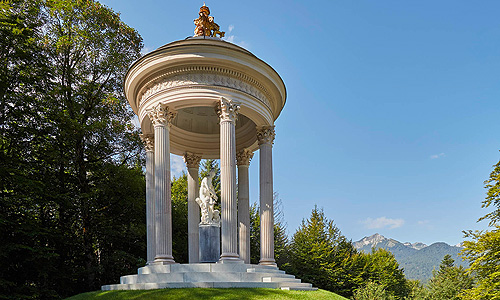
(417, 259)
(416, 245)
(372, 240)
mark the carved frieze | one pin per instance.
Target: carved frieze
(149, 141)
(211, 76)
(243, 157)
(265, 135)
(161, 115)
(227, 110)
(192, 160)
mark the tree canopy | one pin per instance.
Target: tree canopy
(483, 247)
(72, 187)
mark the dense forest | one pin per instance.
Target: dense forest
(72, 188)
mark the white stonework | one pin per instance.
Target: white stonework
(213, 76)
(266, 138)
(196, 73)
(148, 140)
(206, 200)
(243, 161)
(162, 116)
(228, 113)
(209, 275)
(193, 164)
(173, 90)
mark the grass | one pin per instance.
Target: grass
(205, 293)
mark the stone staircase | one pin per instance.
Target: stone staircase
(209, 275)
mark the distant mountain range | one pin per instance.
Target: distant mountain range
(417, 259)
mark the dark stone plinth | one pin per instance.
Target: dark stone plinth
(209, 243)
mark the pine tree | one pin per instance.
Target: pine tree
(383, 268)
(180, 219)
(448, 281)
(321, 255)
(280, 236)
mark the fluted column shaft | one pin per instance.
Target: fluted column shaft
(266, 137)
(150, 196)
(193, 165)
(161, 118)
(228, 111)
(243, 160)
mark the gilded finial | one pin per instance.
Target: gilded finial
(205, 25)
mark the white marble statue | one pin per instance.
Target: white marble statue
(206, 201)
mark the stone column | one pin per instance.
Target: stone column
(228, 112)
(161, 117)
(193, 163)
(265, 136)
(243, 161)
(148, 140)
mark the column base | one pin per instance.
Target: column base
(163, 260)
(229, 258)
(268, 262)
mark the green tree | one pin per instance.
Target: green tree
(179, 219)
(72, 188)
(493, 196)
(483, 248)
(372, 290)
(448, 281)
(321, 255)
(483, 253)
(280, 236)
(24, 255)
(417, 290)
(383, 268)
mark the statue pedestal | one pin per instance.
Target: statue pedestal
(209, 243)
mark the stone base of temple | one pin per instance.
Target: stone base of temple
(209, 275)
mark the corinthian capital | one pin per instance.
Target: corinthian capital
(265, 135)
(243, 157)
(192, 160)
(227, 110)
(161, 114)
(149, 141)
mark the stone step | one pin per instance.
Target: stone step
(152, 278)
(221, 275)
(280, 279)
(205, 267)
(297, 288)
(173, 285)
(202, 277)
(295, 285)
(265, 270)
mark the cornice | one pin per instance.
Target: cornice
(204, 76)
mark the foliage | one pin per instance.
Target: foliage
(206, 166)
(493, 195)
(321, 255)
(372, 290)
(209, 293)
(72, 189)
(417, 264)
(180, 219)
(448, 281)
(417, 290)
(483, 252)
(280, 236)
(382, 268)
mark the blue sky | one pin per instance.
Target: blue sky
(392, 118)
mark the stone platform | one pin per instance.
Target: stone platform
(209, 275)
